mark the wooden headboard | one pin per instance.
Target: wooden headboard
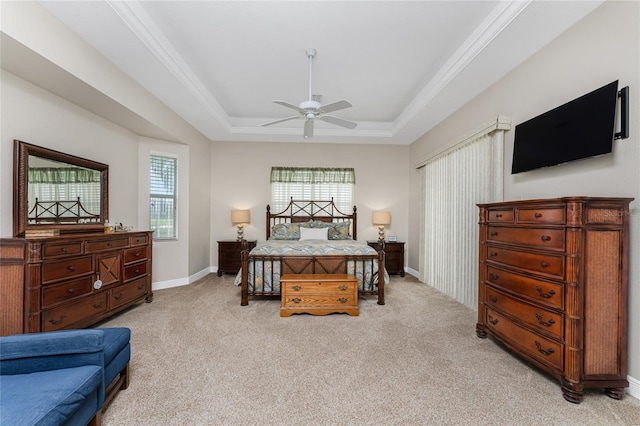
(299, 211)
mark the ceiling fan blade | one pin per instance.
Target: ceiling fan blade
(281, 120)
(292, 106)
(335, 106)
(339, 121)
(308, 128)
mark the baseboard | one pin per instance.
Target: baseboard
(412, 272)
(634, 387)
(178, 282)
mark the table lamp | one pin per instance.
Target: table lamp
(381, 218)
(240, 218)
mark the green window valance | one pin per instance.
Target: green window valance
(312, 175)
(59, 175)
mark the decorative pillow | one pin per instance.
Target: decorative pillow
(339, 231)
(285, 231)
(313, 233)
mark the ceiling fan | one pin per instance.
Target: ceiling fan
(311, 109)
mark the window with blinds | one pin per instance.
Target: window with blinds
(163, 197)
(317, 183)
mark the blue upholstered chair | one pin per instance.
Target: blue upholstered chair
(62, 377)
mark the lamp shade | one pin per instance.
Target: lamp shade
(381, 218)
(240, 216)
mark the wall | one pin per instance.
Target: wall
(38, 117)
(240, 180)
(603, 47)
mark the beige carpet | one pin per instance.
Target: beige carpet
(199, 358)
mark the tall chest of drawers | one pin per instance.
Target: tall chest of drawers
(72, 281)
(553, 278)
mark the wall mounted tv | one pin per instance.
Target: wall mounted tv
(578, 129)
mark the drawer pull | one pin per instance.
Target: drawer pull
(493, 234)
(97, 305)
(545, 238)
(56, 322)
(493, 298)
(141, 286)
(498, 215)
(545, 295)
(493, 254)
(71, 290)
(71, 268)
(108, 244)
(343, 300)
(493, 320)
(544, 264)
(118, 296)
(64, 249)
(542, 351)
(136, 271)
(296, 300)
(546, 324)
(138, 253)
(343, 287)
(493, 277)
(296, 288)
(538, 215)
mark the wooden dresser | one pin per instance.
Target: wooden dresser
(229, 255)
(318, 294)
(71, 281)
(553, 287)
(393, 255)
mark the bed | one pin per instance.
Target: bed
(310, 237)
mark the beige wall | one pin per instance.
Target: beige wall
(240, 174)
(603, 47)
(36, 116)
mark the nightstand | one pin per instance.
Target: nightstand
(393, 256)
(229, 256)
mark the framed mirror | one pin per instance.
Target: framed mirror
(54, 190)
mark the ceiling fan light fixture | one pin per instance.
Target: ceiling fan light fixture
(312, 108)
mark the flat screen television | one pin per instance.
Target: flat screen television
(578, 129)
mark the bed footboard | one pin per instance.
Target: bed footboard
(267, 269)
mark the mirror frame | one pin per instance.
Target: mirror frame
(21, 152)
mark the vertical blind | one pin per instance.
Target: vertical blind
(453, 184)
(316, 183)
(163, 197)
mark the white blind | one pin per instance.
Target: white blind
(453, 184)
(163, 197)
(312, 184)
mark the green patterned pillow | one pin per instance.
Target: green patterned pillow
(285, 231)
(339, 231)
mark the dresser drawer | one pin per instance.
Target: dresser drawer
(541, 348)
(548, 264)
(94, 246)
(321, 287)
(319, 300)
(551, 239)
(64, 249)
(135, 254)
(542, 319)
(500, 215)
(542, 214)
(139, 240)
(134, 271)
(127, 292)
(75, 312)
(544, 292)
(63, 269)
(54, 294)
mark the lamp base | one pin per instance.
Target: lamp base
(380, 233)
(240, 233)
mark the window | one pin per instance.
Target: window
(162, 184)
(303, 183)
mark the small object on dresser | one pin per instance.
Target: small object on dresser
(393, 238)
